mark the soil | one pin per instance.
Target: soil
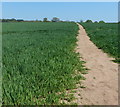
(102, 79)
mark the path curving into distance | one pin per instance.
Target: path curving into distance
(102, 79)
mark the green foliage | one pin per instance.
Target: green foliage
(105, 36)
(81, 21)
(12, 20)
(101, 21)
(95, 22)
(45, 20)
(88, 21)
(38, 62)
(55, 19)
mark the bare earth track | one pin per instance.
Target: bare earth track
(102, 78)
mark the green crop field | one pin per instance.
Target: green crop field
(105, 36)
(39, 62)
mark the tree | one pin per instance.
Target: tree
(89, 21)
(36, 20)
(95, 22)
(45, 20)
(13, 19)
(81, 21)
(55, 19)
(101, 21)
(20, 20)
(4, 20)
(9, 20)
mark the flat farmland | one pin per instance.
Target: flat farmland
(38, 62)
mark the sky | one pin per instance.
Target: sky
(72, 11)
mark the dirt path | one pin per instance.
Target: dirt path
(102, 78)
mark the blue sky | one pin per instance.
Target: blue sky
(73, 11)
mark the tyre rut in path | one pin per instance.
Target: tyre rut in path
(102, 79)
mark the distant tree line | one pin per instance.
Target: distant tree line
(11, 20)
(90, 21)
(54, 19)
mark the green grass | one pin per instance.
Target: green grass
(38, 62)
(105, 36)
